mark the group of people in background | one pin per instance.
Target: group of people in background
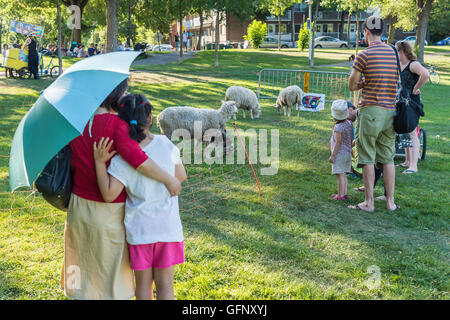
(375, 72)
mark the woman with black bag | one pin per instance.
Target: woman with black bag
(413, 76)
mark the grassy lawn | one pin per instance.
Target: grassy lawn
(293, 243)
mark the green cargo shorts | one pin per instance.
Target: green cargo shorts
(375, 136)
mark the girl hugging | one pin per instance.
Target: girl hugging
(152, 220)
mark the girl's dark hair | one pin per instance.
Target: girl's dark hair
(112, 101)
(135, 109)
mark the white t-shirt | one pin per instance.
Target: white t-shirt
(5, 56)
(151, 215)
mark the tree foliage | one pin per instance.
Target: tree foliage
(303, 36)
(255, 33)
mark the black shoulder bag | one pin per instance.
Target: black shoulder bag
(55, 181)
(408, 112)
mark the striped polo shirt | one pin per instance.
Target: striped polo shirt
(378, 64)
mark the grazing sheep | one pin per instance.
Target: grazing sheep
(173, 118)
(287, 98)
(245, 99)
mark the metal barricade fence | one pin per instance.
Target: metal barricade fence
(333, 84)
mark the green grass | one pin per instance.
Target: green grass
(293, 243)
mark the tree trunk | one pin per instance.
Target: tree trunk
(76, 33)
(424, 7)
(58, 14)
(279, 31)
(348, 29)
(216, 64)
(129, 24)
(180, 18)
(392, 29)
(357, 30)
(293, 27)
(112, 24)
(199, 44)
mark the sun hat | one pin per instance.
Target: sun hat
(339, 109)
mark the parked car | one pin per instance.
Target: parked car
(329, 42)
(162, 47)
(412, 40)
(445, 42)
(271, 42)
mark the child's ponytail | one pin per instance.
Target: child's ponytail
(135, 110)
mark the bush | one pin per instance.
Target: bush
(256, 32)
(303, 37)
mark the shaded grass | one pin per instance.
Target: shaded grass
(292, 243)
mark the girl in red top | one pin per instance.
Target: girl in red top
(96, 263)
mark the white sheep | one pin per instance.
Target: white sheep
(173, 118)
(245, 99)
(289, 97)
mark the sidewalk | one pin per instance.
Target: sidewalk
(163, 58)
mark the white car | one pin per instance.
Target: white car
(162, 47)
(412, 40)
(329, 42)
(270, 42)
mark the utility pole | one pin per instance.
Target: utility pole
(311, 59)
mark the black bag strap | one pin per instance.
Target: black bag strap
(398, 65)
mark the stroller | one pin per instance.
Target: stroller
(421, 133)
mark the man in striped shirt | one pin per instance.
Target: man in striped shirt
(375, 72)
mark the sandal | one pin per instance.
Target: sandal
(357, 207)
(409, 171)
(402, 165)
(360, 189)
(336, 197)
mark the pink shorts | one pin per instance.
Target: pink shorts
(156, 255)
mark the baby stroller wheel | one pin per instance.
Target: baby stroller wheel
(423, 143)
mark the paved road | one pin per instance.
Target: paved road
(164, 58)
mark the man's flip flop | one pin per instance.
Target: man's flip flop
(357, 207)
(409, 171)
(401, 165)
(360, 189)
(396, 208)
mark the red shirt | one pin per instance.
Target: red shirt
(82, 154)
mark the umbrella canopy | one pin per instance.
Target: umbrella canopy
(62, 112)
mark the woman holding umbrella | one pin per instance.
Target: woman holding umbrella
(33, 58)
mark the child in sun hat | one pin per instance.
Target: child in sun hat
(341, 146)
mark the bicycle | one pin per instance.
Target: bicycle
(49, 69)
(434, 76)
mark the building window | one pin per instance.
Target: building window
(319, 28)
(270, 29)
(283, 29)
(328, 27)
(352, 28)
(297, 28)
